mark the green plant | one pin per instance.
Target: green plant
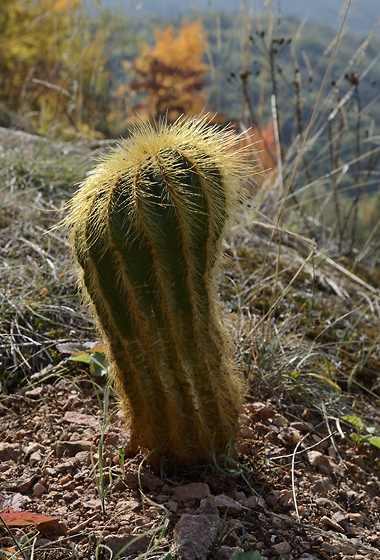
(147, 226)
(365, 434)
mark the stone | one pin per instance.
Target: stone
(281, 548)
(319, 461)
(193, 536)
(226, 552)
(118, 543)
(260, 410)
(280, 421)
(227, 504)
(331, 524)
(253, 502)
(286, 499)
(191, 491)
(34, 393)
(71, 448)
(39, 490)
(11, 452)
(53, 528)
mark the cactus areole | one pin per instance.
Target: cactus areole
(147, 226)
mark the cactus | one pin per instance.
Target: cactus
(146, 227)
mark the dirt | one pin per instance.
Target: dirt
(300, 487)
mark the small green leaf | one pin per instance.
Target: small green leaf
(355, 437)
(85, 358)
(99, 364)
(355, 420)
(250, 555)
(375, 441)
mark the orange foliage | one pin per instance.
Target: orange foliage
(171, 74)
(262, 149)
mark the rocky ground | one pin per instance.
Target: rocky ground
(300, 487)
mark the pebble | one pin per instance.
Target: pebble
(193, 535)
(11, 452)
(226, 552)
(253, 502)
(119, 542)
(261, 410)
(191, 491)
(281, 548)
(319, 461)
(225, 503)
(39, 490)
(331, 524)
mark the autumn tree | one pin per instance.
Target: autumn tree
(170, 76)
(51, 63)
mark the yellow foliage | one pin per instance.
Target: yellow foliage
(50, 61)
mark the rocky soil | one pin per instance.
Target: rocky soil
(300, 488)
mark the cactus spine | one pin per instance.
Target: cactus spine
(147, 225)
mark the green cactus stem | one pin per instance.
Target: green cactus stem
(147, 227)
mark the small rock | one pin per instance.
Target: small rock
(319, 461)
(191, 491)
(226, 552)
(24, 485)
(286, 499)
(260, 410)
(34, 393)
(281, 548)
(11, 452)
(226, 504)
(330, 523)
(321, 487)
(71, 448)
(193, 536)
(39, 490)
(280, 421)
(171, 505)
(117, 543)
(53, 528)
(253, 502)
(357, 518)
(330, 548)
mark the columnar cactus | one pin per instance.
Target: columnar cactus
(147, 225)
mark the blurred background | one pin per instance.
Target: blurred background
(83, 69)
